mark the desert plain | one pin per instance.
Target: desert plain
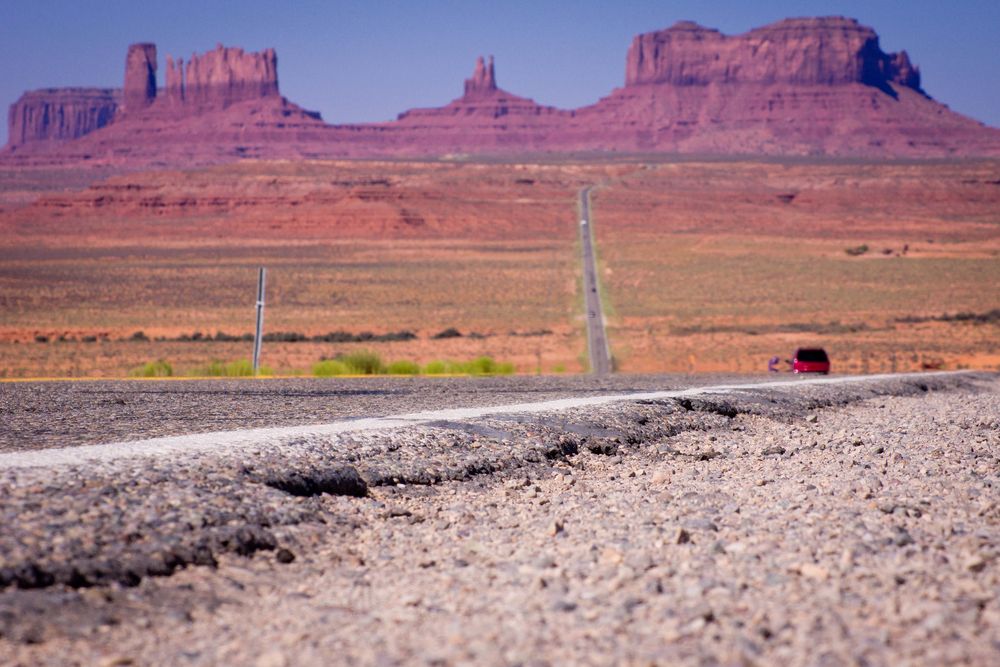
(706, 264)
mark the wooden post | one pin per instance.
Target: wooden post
(260, 320)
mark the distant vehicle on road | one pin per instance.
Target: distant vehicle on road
(810, 360)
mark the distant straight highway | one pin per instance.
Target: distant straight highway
(597, 340)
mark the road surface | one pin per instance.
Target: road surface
(597, 340)
(43, 415)
(804, 521)
(22, 446)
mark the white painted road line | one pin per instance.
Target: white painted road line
(229, 441)
(243, 439)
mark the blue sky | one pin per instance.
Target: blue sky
(368, 61)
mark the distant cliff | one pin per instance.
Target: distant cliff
(60, 114)
(804, 86)
(814, 51)
(214, 80)
(221, 78)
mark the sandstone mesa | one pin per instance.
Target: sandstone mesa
(805, 86)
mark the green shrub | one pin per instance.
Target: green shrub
(215, 368)
(559, 368)
(239, 368)
(486, 366)
(504, 368)
(329, 368)
(477, 366)
(404, 367)
(362, 362)
(436, 367)
(153, 369)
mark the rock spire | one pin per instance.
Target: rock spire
(483, 81)
(140, 77)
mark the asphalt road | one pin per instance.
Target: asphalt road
(597, 341)
(448, 418)
(42, 415)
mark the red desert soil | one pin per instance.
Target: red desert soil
(720, 265)
(706, 264)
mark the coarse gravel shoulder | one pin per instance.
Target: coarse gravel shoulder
(847, 522)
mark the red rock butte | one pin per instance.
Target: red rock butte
(805, 86)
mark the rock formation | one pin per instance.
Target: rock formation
(483, 81)
(175, 81)
(224, 77)
(900, 70)
(220, 78)
(482, 98)
(817, 51)
(486, 118)
(140, 77)
(60, 114)
(214, 81)
(813, 86)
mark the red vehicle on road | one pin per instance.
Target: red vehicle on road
(810, 360)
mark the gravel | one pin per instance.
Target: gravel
(813, 524)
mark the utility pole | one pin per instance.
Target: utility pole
(260, 320)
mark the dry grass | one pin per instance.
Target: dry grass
(720, 266)
(361, 285)
(376, 247)
(709, 266)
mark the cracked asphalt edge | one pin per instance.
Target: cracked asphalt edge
(250, 438)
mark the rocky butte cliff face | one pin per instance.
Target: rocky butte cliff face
(140, 77)
(813, 86)
(221, 78)
(56, 115)
(819, 86)
(210, 106)
(815, 51)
